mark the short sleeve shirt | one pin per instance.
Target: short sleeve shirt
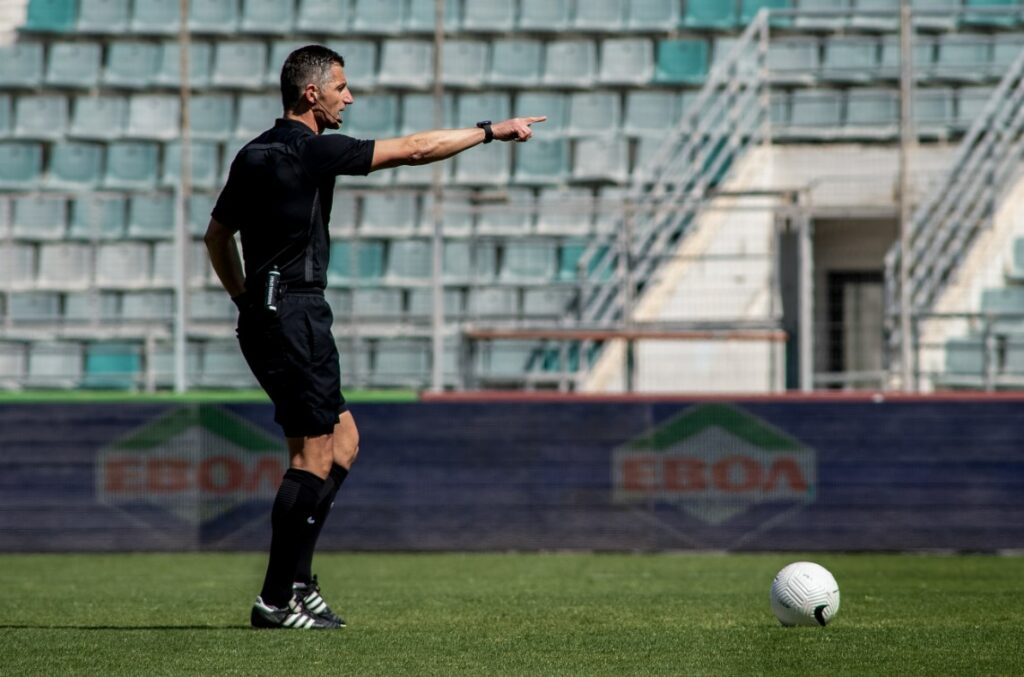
(281, 203)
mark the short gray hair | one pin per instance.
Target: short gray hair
(311, 63)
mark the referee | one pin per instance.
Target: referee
(278, 195)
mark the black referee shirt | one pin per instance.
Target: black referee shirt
(271, 198)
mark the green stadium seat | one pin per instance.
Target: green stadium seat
(105, 17)
(360, 62)
(1006, 48)
(151, 217)
(484, 166)
(409, 261)
(38, 217)
(103, 117)
(41, 116)
(239, 64)
(793, 60)
(75, 165)
(155, 17)
(936, 14)
(821, 15)
(506, 359)
(1005, 301)
(714, 14)
(132, 64)
(168, 72)
(873, 111)
(550, 303)
(971, 102)
(64, 265)
(389, 214)
(750, 8)
(205, 167)
(923, 56)
(21, 164)
(256, 114)
(650, 112)
(511, 216)
(492, 303)
(420, 17)
(17, 266)
(223, 366)
(212, 116)
(356, 262)
(21, 64)
(457, 263)
(542, 161)
(850, 59)
(544, 15)
(816, 113)
(88, 307)
(54, 364)
(627, 61)
(97, 217)
(570, 63)
(963, 57)
(490, 16)
(401, 362)
(682, 61)
(75, 65)
(1010, 14)
(147, 306)
(421, 304)
(651, 15)
(33, 306)
(377, 304)
(122, 265)
(214, 16)
(154, 116)
(876, 15)
(565, 211)
(601, 159)
(526, 261)
(418, 112)
(483, 106)
(516, 62)
(607, 16)
(933, 111)
(406, 63)
(131, 165)
(372, 116)
(268, 17)
(323, 16)
(377, 17)
(594, 112)
(464, 62)
(6, 116)
(554, 105)
(965, 357)
(112, 365)
(1015, 264)
(51, 16)
(569, 256)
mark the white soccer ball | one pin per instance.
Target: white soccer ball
(804, 593)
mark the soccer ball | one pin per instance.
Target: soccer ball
(804, 593)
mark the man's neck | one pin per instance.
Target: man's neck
(307, 118)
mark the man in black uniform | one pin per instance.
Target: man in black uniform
(278, 195)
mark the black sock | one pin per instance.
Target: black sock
(293, 508)
(304, 571)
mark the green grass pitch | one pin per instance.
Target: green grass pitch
(511, 614)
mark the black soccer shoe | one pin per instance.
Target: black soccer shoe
(309, 593)
(295, 616)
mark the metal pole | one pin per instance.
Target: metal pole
(437, 249)
(806, 302)
(181, 234)
(908, 137)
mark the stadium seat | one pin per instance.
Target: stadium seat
(279, 51)
(377, 17)
(102, 117)
(256, 114)
(154, 116)
(492, 303)
(923, 56)
(464, 62)
(650, 112)
(651, 15)
(21, 64)
(158, 17)
(400, 362)
(850, 59)
(343, 212)
(511, 216)
(131, 165)
(75, 65)
(526, 261)
(1001, 301)
(627, 61)
(13, 364)
(554, 105)
(200, 205)
(820, 15)
(550, 303)
(6, 115)
(682, 61)
(17, 266)
(268, 17)
(872, 111)
(51, 16)
(420, 17)
(356, 262)
(569, 255)
(971, 102)
(710, 14)
(1014, 268)
(64, 265)
(565, 211)
(456, 213)
(965, 356)
(75, 165)
(372, 116)
(420, 175)
(601, 159)
(360, 62)
(570, 63)
(41, 116)
(935, 14)
(483, 106)
(1006, 48)
(214, 16)
(607, 16)
(54, 364)
(457, 263)
(963, 57)
(165, 265)
(1002, 18)
(506, 359)
(38, 217)
(107, 17)
(205, 168)
(484, 165)
(151, 217)
(377, 304)
(407, 63)
(609, 207)
(544, 15)
(97, 217)
(516, 62)
(223, 366)
(793, 60)
(112, 365)
(594, 112)
(211, 116)
(421, 304)
(239, 64)
(323, 16)
(409, 261)
(490, 16)
(168, 72)
(815, 113)
(389, 214)
(90, 307)
(210, 305)
(876, 15)
(542, 161)
(933, 111)
(132, 64)
(21, 164)
(122, 264)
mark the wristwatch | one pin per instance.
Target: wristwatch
(486, 126)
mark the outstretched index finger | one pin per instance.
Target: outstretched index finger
(540, 118)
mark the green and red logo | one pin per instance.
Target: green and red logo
(196, 461)
(714, 461)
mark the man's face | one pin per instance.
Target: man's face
(333, 99)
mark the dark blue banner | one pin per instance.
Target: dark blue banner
(633, 475)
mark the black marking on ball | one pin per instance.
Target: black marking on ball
(819, 614)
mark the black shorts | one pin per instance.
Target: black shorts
(294, 358)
